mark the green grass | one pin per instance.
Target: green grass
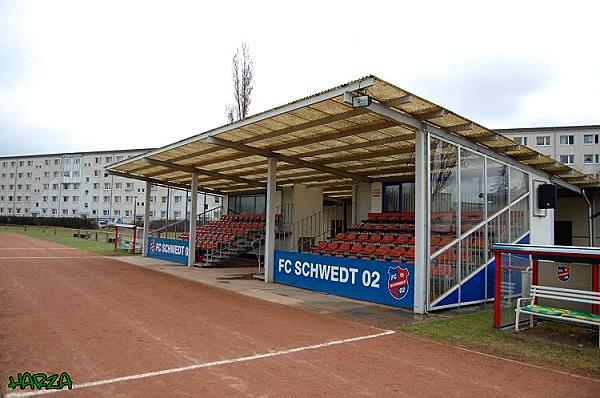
(65, 237)
(560, 346)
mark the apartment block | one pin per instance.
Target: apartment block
(76, 185)
(577, 146)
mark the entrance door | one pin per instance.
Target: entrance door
(363, 198)
(563, 233)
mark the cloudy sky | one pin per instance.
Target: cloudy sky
(82, 75)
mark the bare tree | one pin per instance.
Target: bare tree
(242, 69)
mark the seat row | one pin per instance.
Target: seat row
(365, 251)
(382, 227)
(391, 217)
(398, 239)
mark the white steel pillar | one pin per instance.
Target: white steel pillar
(270, 220)
(193, 216)
(146, 234)
(421, 221)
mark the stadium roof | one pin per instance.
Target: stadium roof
(324, 141)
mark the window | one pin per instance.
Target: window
(66, 187)
(109, 159)
(56, 162)
(96, 173)
(567, 159)
(65, 212)
(30, 163)
(45, 199)
(55, 186)
(164, 199)
(105, 212)
(46, 174)
(65, 199)
(163, 214)
(67, 174)
(597, 157)
(55, 199)
(177, 214)
(118, 185)
(96, 185)
(117, 199)
(107, 185)
(127, 213)
(75, 199)
(129, 186)
(97, 159)
(567, 140)
(119, 158)
(117, 212)
(75, 161)
(20, 175)
(217, 199)
(20, 163)
(54, 212)
(588, 158)
(47, 162)
(76, 186)
(94, 199)
(76, 173)
(177, 199)
(543, 140)
(55, 174)
(588, 139)
(106, 199)
(520, 140)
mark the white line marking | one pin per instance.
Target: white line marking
(12, 258)
(202, 365)
(38, 248)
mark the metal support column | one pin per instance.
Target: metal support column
(270, 220)
(421, 225)
(193, 215)
(146, 234)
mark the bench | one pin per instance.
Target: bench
(580, 296)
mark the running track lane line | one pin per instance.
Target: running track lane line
(38, 248)
(12, 258)
(202, 365)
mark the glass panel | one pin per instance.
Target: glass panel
(408, 196)
(444, 188)
(247, 204)
(472, 250)
(391, 198)
(498, 230)
(443, 272)
(519, 219)
(519, 184)
(472, 175)
(260, 204)
(497, 186)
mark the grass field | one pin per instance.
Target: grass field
(65, 237)
(560, 346)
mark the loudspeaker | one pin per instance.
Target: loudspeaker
(547, 196)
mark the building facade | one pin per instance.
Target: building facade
(576, 146)
(76, 185)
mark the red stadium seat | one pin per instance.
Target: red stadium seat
(387, 239)
(363, 238)
(356, 248)
(375, 238)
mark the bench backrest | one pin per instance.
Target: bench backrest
(559, 293)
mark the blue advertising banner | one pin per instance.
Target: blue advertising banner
(376, 281)
(174, 250)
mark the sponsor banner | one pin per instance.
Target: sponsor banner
(174, 250)
(376, 281)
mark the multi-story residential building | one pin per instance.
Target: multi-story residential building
(76, 185)
(577, 146)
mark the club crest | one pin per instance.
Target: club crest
(398, 282)
(563, 272)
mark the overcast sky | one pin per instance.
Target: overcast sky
(82, 75)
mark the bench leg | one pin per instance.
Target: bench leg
(517, 321)
(531, 321)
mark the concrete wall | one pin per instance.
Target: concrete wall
(307, 201)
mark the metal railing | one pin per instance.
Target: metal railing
(306, 232)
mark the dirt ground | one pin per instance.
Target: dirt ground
(125, 331)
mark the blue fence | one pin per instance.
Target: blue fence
(174, 250)
(375, 281)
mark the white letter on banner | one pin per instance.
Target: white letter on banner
(306, 269)
(280, 267)
(297, 267)
(343, 274)
(288, 268)
(334, 273)
(353, 272)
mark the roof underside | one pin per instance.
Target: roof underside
(322, 141)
